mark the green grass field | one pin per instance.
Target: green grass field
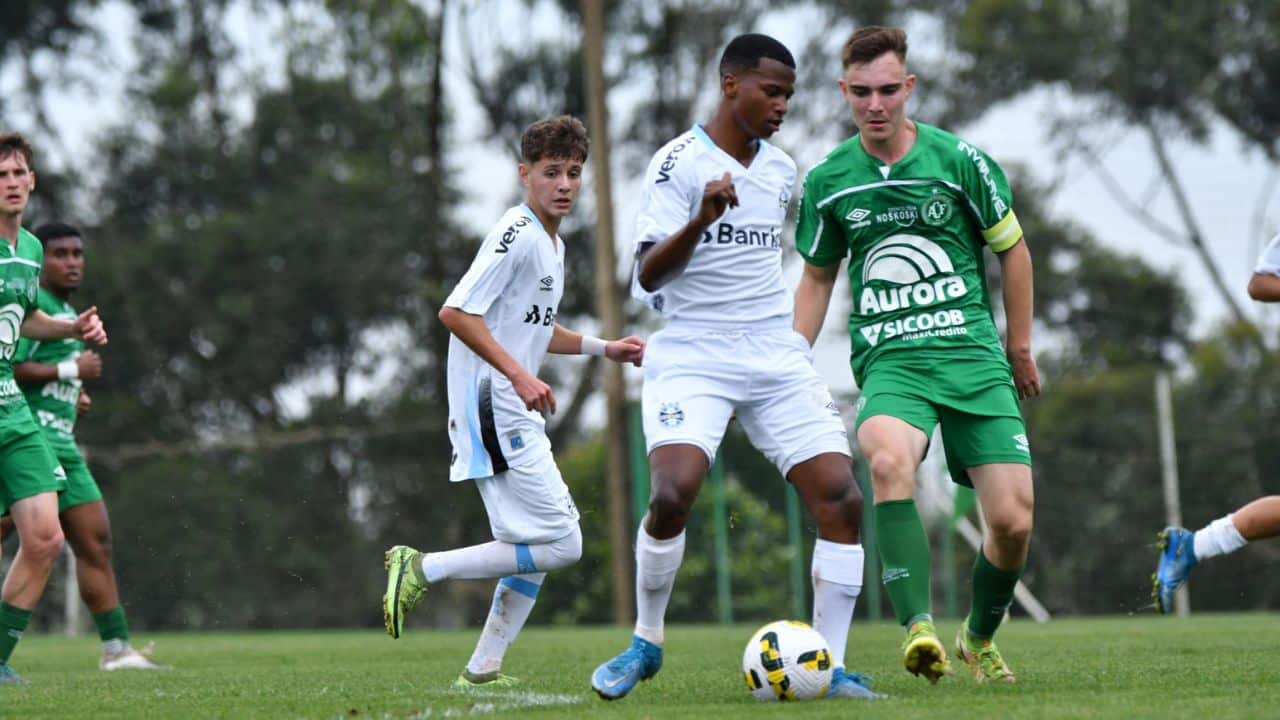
(1211, 668)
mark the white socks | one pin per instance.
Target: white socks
(837, 582)
(656, 564)
(1218, 538)
(499, 559)
(512, 602)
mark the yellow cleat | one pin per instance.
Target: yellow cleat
(922, 652)
(983, 660)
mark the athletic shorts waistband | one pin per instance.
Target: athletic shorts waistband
(772, 324)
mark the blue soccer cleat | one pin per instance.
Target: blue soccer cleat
(851, 685)
(615, 678)
(1177, 557)
(9, 677)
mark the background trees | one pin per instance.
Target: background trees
(272, 230)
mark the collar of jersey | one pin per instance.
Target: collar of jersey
(877, 163)
(702, 135)
(529, 213)
(556, 242)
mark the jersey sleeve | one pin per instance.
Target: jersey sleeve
(818, 241)
(990, 198)
(25, 351)
(1269, 260)
(497, 261)
(667, 203)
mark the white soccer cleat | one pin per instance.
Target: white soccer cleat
(130, 659)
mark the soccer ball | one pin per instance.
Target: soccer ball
(787, 660)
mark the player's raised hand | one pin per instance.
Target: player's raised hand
(89, 365)
(717, 196)
(88, 327)
(628, 349)
(535, 394)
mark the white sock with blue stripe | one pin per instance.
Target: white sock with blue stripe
(513, 600)
(499, 559)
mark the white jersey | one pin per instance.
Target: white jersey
(515, 283)
(734, 277)
(1269, 260)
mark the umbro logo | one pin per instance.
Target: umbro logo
(548, 283)
(858, 218)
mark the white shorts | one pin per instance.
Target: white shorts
(529, 504)
(696, 379)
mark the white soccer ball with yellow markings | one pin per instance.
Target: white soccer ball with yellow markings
(787, 660)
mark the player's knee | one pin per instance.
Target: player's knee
(97, 551)
(559, 553)
(1011, 529)
(43, 545)
(889, 468)
(569, 548)
(669, 505)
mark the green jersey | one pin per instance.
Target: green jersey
(53, 403)
(19, 281)
(914, 234)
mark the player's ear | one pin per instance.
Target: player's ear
(909, 84)
(729, 85)
(523, 169)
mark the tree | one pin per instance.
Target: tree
(1167, 70)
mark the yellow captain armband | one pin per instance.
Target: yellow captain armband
(1004, 234)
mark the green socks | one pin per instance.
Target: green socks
(111, 624)
(992, 595)
(904, 553)
(13, 620)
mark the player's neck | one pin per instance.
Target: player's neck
(63, 294)
(9, 226)
(896, 147)
(549, 222)
(729, 136)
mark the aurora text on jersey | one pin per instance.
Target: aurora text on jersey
(53, 403)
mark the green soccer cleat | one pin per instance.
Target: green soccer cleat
(405, 587)
(922, 652)
(985, 662)
(483, 681)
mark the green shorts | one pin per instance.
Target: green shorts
(974, 402)
(27, 465)
(81, 487)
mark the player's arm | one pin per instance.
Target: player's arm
(822, 248)
(1015, 266)
(813, 297)
(1264, 287)
(567, 342)
(38, 325)
(87, 366)
(663, 261)
(474, 333)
